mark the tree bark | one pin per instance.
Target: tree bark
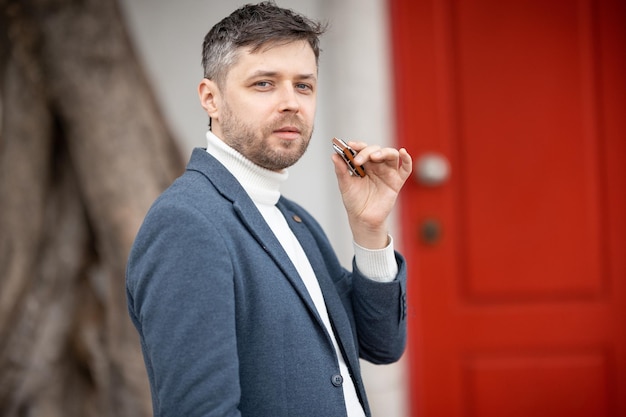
(83, 153)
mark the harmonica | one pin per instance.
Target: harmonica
(347, 153)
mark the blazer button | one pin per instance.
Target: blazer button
(337, 380)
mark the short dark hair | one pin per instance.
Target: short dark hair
(255, 26)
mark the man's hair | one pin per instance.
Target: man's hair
(254, 26)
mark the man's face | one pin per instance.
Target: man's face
(266, 106)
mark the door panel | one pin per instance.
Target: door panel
(495, 384)
(518, 288)
(526, 116)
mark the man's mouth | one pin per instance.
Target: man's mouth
(288, 133)
(288, 129)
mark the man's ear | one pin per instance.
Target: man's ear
(208, 93)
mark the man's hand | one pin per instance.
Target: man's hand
(369, 200)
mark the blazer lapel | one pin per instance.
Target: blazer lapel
(334, 306)
(251, 218)
(255, 223)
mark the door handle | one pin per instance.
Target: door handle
(432, 169)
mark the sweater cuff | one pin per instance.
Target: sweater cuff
(379, 264)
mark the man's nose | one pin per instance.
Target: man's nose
(289, 100)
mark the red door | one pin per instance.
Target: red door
(518, 277)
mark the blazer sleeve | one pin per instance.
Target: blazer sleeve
(380, 315)
(180, 297)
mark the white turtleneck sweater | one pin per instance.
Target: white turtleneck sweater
(263, 187)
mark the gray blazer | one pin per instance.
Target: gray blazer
(227, 326)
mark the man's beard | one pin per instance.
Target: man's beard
(241, 137)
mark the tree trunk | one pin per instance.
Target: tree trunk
(83, 153)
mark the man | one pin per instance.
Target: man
(242, 307)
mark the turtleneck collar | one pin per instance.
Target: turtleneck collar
(262, 185)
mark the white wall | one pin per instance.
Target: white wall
(353, 103)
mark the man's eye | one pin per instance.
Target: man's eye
(263, 84)
(303, 86)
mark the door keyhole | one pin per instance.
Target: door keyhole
(430, 231)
